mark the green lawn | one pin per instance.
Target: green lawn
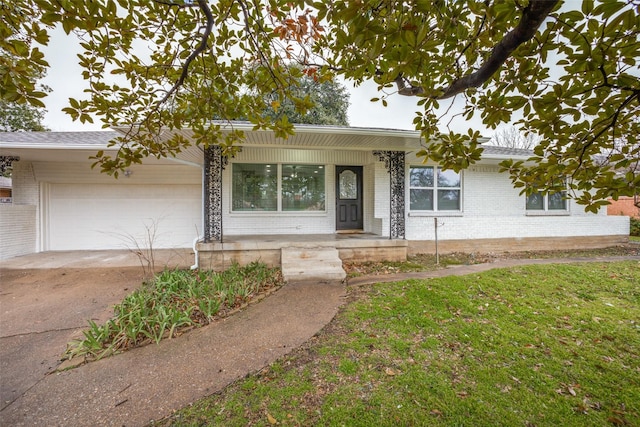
(528, 346)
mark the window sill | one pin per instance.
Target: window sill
(432, 214)
(247, 214)
(548, 213)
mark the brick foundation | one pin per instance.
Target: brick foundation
(516, 244)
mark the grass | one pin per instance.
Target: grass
(175, 300)
(531, 346)
(634, 238)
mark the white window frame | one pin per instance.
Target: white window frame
(435, 188)
(279, 209)
(545, 204)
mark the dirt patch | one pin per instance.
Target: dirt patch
(427, 262)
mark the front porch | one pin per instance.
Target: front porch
(339, 203)
(292, 251)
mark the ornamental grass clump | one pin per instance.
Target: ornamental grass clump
(174, 301)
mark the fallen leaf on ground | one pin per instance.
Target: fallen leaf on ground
(390, 372)
(271, 420)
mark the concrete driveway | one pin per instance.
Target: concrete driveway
(46, 300)
(42, 309)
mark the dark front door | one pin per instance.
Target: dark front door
(348, 197)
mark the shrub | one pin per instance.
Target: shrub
(174, 300)
(635, 227)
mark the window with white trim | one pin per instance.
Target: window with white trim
(302, 187)
(538, 201)
(434, 189)
(277, 187)
(254, 187)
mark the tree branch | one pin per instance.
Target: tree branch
(610, 125)
(253, 39)
(197, 51)
(532, 17)
(482, 22)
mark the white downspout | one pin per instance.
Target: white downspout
(195, 266)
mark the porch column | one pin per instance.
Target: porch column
(214, 163)
(6, 162)
(394, 162)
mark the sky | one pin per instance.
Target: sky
(65, 79)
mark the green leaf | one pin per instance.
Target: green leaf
(587, 7)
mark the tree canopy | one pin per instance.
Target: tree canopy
(566, 72)
(330, 101)
(16, 116)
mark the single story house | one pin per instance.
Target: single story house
(362, 192)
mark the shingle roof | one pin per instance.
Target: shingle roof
(505, 151)
(102, 138)
(59, 138)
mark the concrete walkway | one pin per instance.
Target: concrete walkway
(148, 383)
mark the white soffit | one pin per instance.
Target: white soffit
(79, 146)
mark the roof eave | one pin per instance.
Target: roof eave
(76, 147)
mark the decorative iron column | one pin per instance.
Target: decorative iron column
(6, 162)
(394, 161)
(214, 164)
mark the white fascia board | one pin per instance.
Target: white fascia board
(504, 157)
(30, 146)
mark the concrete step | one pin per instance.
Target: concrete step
(320, 264)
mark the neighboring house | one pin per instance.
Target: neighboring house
(362, 191)
(625, 206)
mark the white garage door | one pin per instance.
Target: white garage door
(111, 216)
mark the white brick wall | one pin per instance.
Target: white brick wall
(454, 228)
(488, 193)
(371, 225)
(492, 208)
(322, 222)
(383, 196)
(18, 220)
(24, 184)
(17, 230)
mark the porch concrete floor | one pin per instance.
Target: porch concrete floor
(302, 238)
